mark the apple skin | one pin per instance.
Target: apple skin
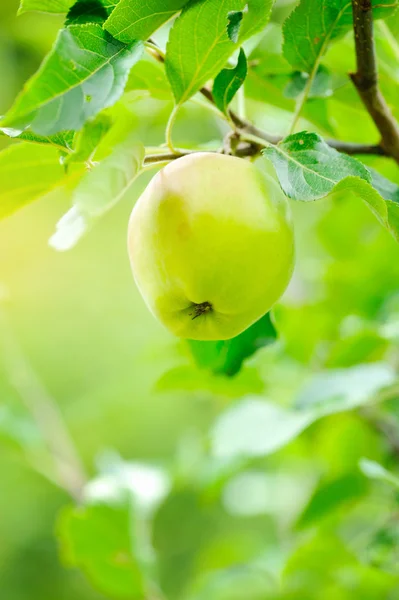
(211, 245)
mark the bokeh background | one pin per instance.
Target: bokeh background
(127, 388)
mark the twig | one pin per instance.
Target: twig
(245, 126)
(366, 78)
(70, 474)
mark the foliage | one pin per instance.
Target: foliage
(259, 467)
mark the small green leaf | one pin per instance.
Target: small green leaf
(226, 356)
(98, 539)
(321, 86)
(330, 497)
(234, 19)
(63, 140)
(85, 72)
(87, 11)
(87, 140)
(41, 171)
(98, 191)
(374, 470)
(137, 20)
(308, 168)
(202, 26)
(149, 76)
(228, 82)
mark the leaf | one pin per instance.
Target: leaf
(314, 23)
(255, 427)
(347, 388)
(87, 140)
(149, 76)
(228, 82)
(226, 356)
(199, 45)
(62, 140)
(321, 86)
(51, 6)
(85, 72)
(98, 191)
(308, 168)
(374, 470)
(137, 20)
(98, 539)
(331, 496)
(87, 11)
(27, 174)
(234, 19)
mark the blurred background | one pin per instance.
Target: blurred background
(295, 520)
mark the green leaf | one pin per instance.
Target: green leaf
(63, 140)
(308, 168)
(98, 539)
(255, 427)
(234, 19)
(51, 6)
(41, 171)
(98, 191)
(202, 26)
(87, 140)
(85, 72)
(386, 210)
(374, 470)
(149, 76)
(331, 496)
(228, 82)
(321, 86)
(226, 356)
(87, 11)
(137, 20)
(314, 23)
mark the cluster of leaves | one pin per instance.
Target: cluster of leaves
(145, 532)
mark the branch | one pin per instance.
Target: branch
(366, 78)
(70, 474)
(245, 126)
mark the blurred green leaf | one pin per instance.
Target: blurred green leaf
(85, 72)
(204, 26)
(374, 470)
(331, 496)
(321, 86)
(149, 76)
(42, 172)
(256, 427)
(98, 191)
(136, 20)
(99, 540)
(342, 389)
(87, 140)
(228, 82)
(226, 356)
(229, 584)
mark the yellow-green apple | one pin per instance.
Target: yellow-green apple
(211, 245)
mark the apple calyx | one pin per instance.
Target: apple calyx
(200, 309)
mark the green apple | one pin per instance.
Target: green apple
(211, 245)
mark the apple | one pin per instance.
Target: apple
(211, 245)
